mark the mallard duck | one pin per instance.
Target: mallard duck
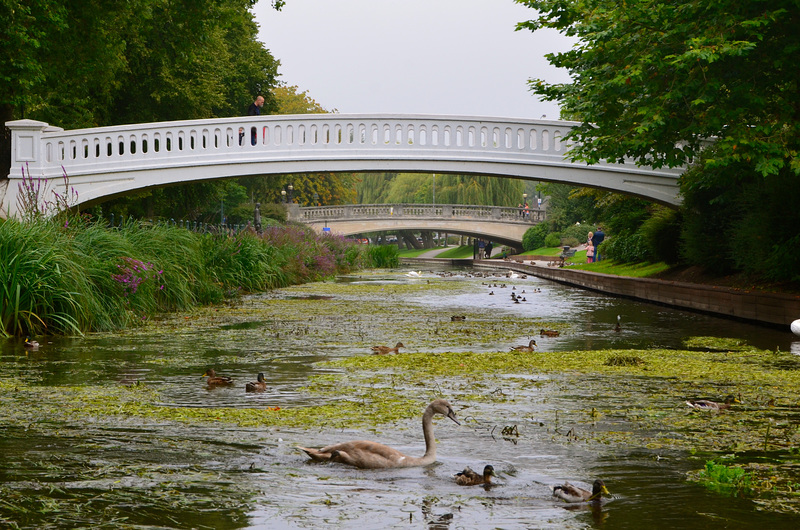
(256, 386)
(373, 455)
(217, 380)
(383, 350)
(705, 404)
(571, 493)
(31, 344)
(469, 478)
(529, 348)
(549, 333)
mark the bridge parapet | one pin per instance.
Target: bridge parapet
(111, 161)
(429, 211)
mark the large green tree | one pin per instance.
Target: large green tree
(708, 84)
(655, 80)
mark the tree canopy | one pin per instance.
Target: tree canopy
(654, 80)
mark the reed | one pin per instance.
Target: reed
(75, 276)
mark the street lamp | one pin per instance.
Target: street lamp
(291, 193)
(283, 196)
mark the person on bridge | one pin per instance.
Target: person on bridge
(598, 238)
(255, 110)
(255, 107)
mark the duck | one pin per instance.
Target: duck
(529, 348)
(618, 327)
(31, 344)
(571, 493)
(470, 478)
(217, 380)
(256, 386)
(549, 333)
(366, 454)
(383, 350)
(458, 318)
(705, 404)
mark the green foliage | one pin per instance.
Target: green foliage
(730, 480)
(578, 231)
(85, 277)
(383, 256)
(661, 234)
(534, 237)
(626, 248)
(653, 80)
(553, 239)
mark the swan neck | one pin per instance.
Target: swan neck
(430, 439)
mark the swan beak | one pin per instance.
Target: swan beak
(452, 416)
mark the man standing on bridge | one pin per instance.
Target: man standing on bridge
(255, 110)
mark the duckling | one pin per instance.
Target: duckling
(549, 333)
(31, 344)
(469, 478)
(256, 386)
(704, 404)
(217, 380)
(571, 493)
(383, 350)
(529, 348)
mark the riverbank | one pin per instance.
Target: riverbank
(773, 309)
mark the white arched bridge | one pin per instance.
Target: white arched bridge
(500, 224)
(104, 162)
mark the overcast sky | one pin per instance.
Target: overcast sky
(458, 57)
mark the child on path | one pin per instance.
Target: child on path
(589, 249)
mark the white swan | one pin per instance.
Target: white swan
(374, 455)
(414, 274)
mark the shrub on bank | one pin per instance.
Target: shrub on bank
(66, 278)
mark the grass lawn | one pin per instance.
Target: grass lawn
(457, 252)
(607, 266)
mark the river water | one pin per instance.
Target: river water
(66, 469)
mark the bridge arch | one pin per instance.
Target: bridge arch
(109, 161)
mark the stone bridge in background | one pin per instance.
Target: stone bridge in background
(495, 223)
(104, 162)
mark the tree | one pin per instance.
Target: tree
(711, 84)
(654, 80)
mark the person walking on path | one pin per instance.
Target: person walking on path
(598, 238)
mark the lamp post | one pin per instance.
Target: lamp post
(283, 196)
(291, 192)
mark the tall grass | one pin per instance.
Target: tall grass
(67, 278)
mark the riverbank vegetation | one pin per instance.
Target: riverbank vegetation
(77, 276)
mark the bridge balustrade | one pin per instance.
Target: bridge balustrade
(433, 211)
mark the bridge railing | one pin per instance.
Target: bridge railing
(433, 211)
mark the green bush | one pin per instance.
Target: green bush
(626, 248)
(661, 234)
(553, 239)
(534, 237)
(384, 256)
(571, 241)
(577, 231)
